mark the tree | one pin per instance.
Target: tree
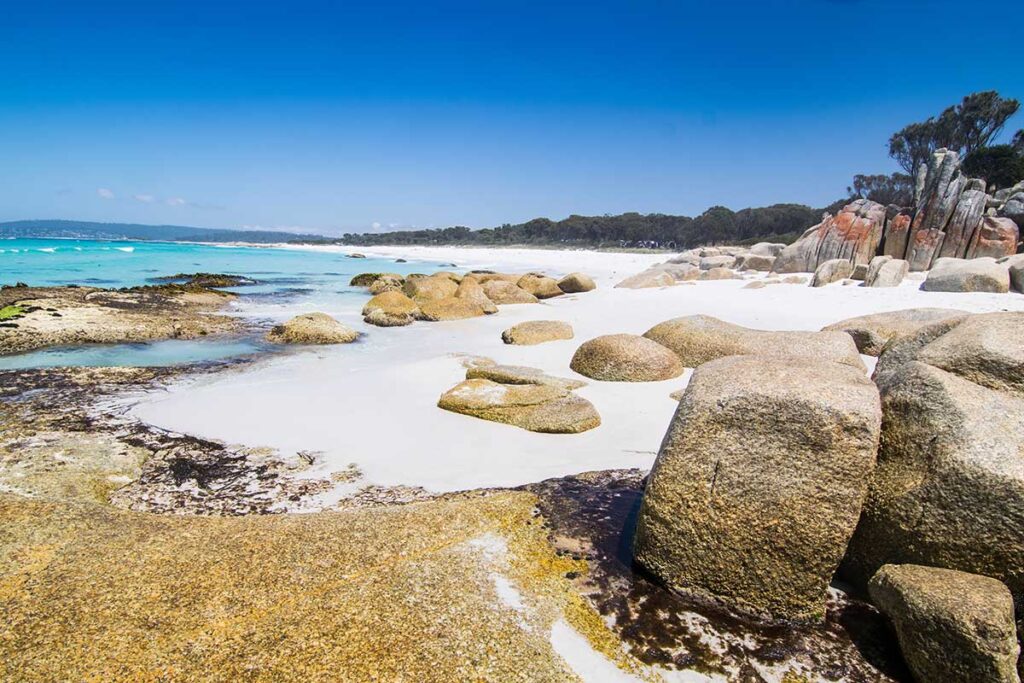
(897, 188)
(964, 128)
(1000, 165)
(1018, 141)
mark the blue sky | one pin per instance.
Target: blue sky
(334, 117)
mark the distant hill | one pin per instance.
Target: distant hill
(132, 231)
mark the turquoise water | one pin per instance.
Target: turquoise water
(154, 354)
(125, 264)
(290, 282)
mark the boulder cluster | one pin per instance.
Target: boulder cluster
(953, 220)
(785, 465)
(400, 300)
(706, 263)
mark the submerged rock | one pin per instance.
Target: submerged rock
(312, 328)
(534, 407)
(537, 332)
(872, 332)
(697, 339)
(759, 482)
(574, 283)
(625, 358)
(952, 626)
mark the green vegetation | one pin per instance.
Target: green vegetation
(11, 312)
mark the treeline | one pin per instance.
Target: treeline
(717, 225)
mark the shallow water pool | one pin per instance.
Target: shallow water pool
(153, 354)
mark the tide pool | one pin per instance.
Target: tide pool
(154, 354)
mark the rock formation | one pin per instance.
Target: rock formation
(953, 217)
(831, 271)
(952, 626)
(574, 283)
(540, 286)
(759, 482)
(546, 408)
(648, 278)
(872, 332)
(967, 275)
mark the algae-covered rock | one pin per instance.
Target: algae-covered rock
(625, 358)
(312, 328)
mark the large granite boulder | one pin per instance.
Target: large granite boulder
(967, 275)
(312, 328)
(537, 332)
(719, 273)
(502, 292)
(697, 339)
(449, 308)
(771, 249)
(995, 237)
(831, 271)
(540, 286)
(534, 407)
(680, 272)
(471, 290)
(759, 482)
(437, 286)
(952, 626)
(387, 283)
(966, 218)
(872, 332)
(897, 235)
(852, 235)
(367, 279)
(625, 358)
(948, 490)
(574, 283)
(885, 271)
(390, 309)
(648, 278)
(755, 262)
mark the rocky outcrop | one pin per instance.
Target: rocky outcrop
(386, 283)
(503, 292)
(390, 309)
(723, 261)
(755, 262)
(534, 407)
(367, 279)
(952, 626)
(697, 339)
(759, 482)
(872, 332)
(312, 328)
(540, 286)
(953, 217)
(1015, 266)
(471, 290)
(948, 490)
(625, 358)
(967, 275)
(574, 283)
(680, 272)
(853, 235)
(831, 271)
(537, 332)
(771, 249)
(648, 278)
(718, 273)
(886, 271)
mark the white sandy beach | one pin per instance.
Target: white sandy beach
(373, 404)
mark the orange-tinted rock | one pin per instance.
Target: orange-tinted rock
(995, 237)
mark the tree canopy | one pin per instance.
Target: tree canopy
(897, 188)
(964, 128)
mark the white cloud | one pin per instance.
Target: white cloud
(176, 201)
(105, 193)
(375, 225)
(144, 198)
